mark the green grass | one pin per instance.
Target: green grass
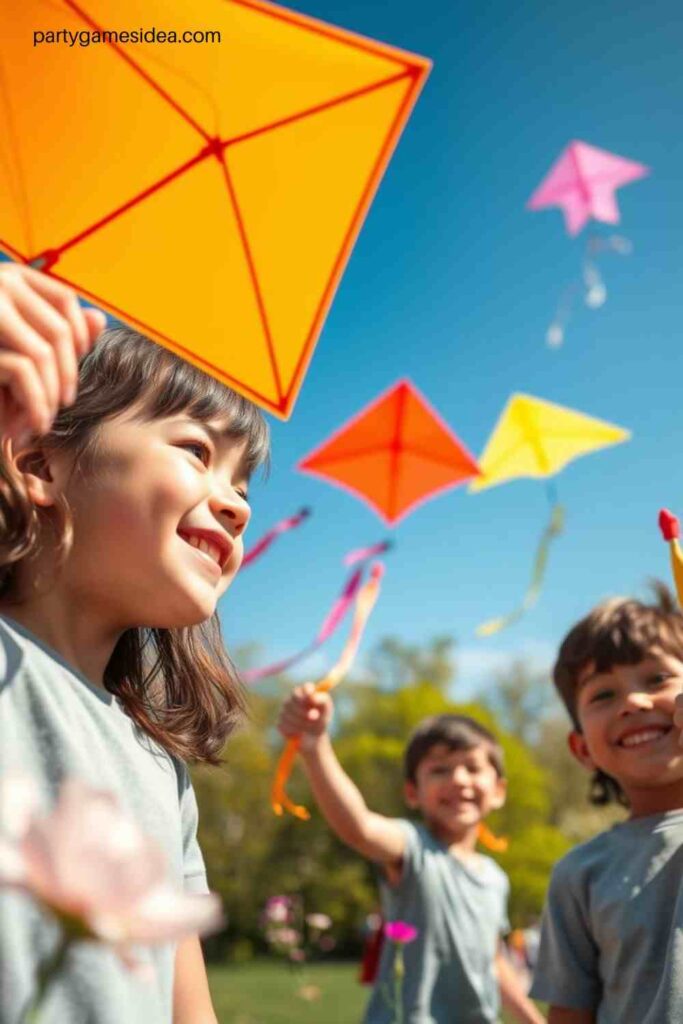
(266, 992)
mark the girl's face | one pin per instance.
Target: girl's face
(158, 522)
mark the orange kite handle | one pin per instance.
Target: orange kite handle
(365, 602)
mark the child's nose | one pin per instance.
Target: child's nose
(636, 700)
(232, 508)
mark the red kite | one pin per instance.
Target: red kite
(395, 454)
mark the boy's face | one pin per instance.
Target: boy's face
(455, 789)
(627, 725)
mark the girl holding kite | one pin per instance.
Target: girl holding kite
(123, 504)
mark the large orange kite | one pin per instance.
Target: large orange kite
(210, 193)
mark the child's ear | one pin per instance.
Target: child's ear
(499, 794)
(577, 745)
(410, 794)
(33, 465)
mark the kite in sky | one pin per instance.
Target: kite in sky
(582, 182)
(208, 195)
(394, 454)
(535, 438)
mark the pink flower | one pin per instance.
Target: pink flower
(400, 932)
(89, 864)
(278, 909)
(320, 922)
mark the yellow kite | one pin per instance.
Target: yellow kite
(535, 438)
(199, 168)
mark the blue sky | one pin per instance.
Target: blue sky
(452, 283)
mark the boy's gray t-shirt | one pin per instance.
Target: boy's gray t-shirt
(460, 911)
(612, 935)
(54, 724)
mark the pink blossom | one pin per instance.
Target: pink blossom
(400, 932)
(284, 936)
(321, 922)
(89, 864)
(278, 909)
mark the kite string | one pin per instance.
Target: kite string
(365, 602)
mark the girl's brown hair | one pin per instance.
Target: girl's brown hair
(178, 685)
(619, 631)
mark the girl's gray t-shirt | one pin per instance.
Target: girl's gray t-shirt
(460, 911)
(612, 935)
(54, 725)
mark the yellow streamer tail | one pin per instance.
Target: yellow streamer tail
(552, 530)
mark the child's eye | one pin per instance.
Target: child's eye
(242, 491)
(600, 695)
(199, 449)
(659, 678)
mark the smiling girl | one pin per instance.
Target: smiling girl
(123, 505)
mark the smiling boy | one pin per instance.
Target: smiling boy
(432, 876)
(612, 938)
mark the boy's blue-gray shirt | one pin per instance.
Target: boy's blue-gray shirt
(460, 911)
(612, 936)
(55, 724)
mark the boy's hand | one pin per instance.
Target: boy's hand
(44, 331)
(307, 714)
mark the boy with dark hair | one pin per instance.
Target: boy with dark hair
(611, 945)
(432, 877)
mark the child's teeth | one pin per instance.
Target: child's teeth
(203, 545)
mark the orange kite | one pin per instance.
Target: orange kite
(395, 454)
(209, 194)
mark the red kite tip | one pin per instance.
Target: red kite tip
(668, 524)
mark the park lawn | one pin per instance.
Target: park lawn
(265, 992)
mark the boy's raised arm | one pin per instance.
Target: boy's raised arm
(307, 714)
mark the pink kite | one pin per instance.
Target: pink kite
(582, 181)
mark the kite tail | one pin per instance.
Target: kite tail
(592, 284)
(497, 844)
(365, 602)
(267, 539)
(332, 620)
(669, 525)
(552, 530)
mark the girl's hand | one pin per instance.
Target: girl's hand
(44, 331)
(305, 713)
